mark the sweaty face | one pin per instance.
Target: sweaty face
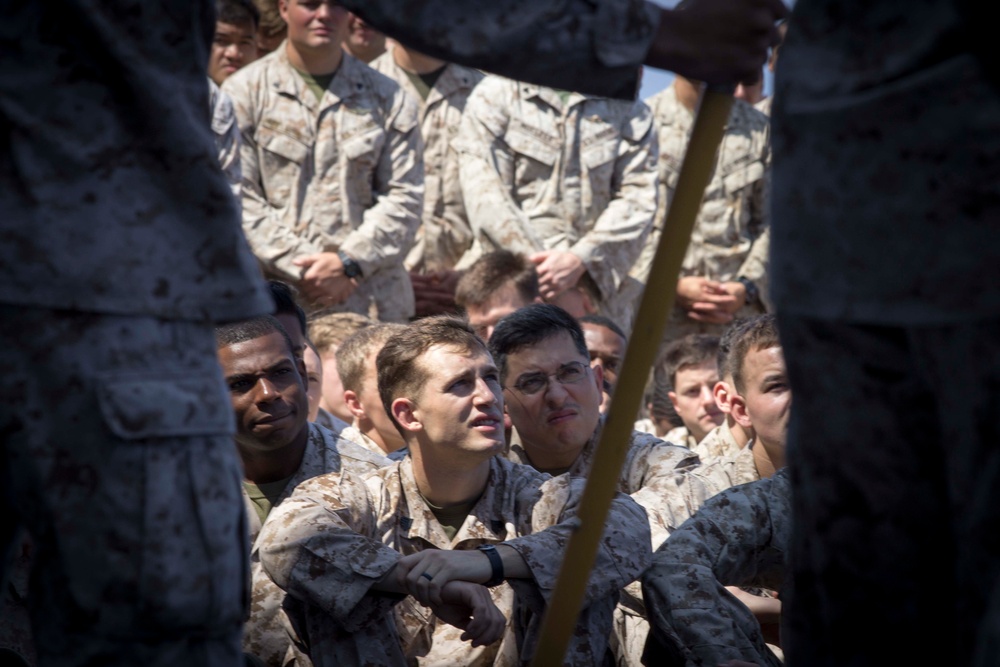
(483, 317)
(314, 24)
(267, 392)
(767, 395)
(460, 407)
(694, 400)
(606, 349)
(233, 47)
(560, 417)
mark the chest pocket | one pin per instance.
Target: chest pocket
(282, 161)
(737, 177)
(535, 152)
(360, 139)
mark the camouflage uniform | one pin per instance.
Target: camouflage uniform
(738, 538)
(332, 422)
(333, 539)
(885, 267)
(730, 238)
(651, 474)
(354, 435)
(593, 47)
(264, 635)
(444, 234)
(227, 136)
(719, 443)
(680, 435)
(764, 106)
(15, 622)
(344, 173)
(121, 243)
(542, 174)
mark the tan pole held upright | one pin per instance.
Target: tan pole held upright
(657, 301)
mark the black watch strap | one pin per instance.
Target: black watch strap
(753, 294)
(351, 267)
(496, 562)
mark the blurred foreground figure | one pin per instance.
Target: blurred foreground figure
(121, 243)
(587, 46)
(890, 322)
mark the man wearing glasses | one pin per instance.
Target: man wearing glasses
(553, 398)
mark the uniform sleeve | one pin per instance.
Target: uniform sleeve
(271, 231)
(227, 138)
(663, 468)
(390, 225)
(594, 47)
(613, 245)
(755, 266)
(317, 547)
(737, 538)
(487, 175)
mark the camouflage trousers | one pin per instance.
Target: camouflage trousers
(894, 453)
(117, 457)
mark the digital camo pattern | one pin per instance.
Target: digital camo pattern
(354, 435)
(119, 442)
(739, 537)
(539, 41)
(539, 173)
(227, 137)
(264, 634)
(718, 444)
(335, 545)
(680, 435)
(344, 173)
(118, 205)
(730, 237)
(652, 475)
(444, 234)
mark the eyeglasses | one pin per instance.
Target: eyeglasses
(533, 383)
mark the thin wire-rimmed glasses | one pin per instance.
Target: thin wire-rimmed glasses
(533, 383)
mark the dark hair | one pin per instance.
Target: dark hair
(602, 321)
(399, 374)
(285, 302)
(237, 12)
(492, 272)
(241, 331)
(757, 333)
(531, 325)
(689, 350)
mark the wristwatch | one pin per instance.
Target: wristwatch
(496, 562)
(752, 292)
(351, 268)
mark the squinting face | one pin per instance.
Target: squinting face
(694, 400)
(267, 392)
(314, 24)
(314, 373)
(606, 349)
(561, 417)
(460, 406)
(233, 47)
(484, 317)
(767, 395)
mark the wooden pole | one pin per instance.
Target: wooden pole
(656, 303)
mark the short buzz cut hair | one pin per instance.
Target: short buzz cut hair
(242, 331)
(531, 325)
(724, 357)
(491, 272)
(286, 302)
(328, 331)
(603, 321)
(352, 354)
(690, 350)
(237, 12)
(757, 333)
(399, 370)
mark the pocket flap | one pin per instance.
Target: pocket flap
(138, 406)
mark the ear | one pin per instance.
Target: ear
(738, 409)
(672, 395)
(353, 404)
(404, 411)
(283, 9)
(723, 395)
(300, 366)
(598, 377)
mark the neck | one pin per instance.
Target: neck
(687, 92)
(767, 458)
(261, 467)
(386, 442)
(740, 434)
(549, 458)
(317, 62)
(452, 480)
(414, 62)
